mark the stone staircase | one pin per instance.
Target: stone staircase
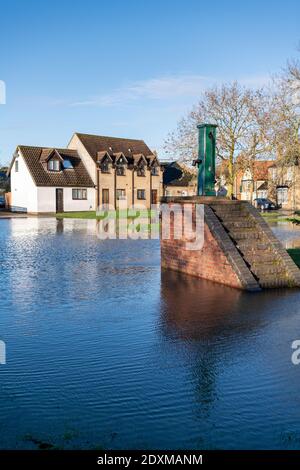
(263, 254)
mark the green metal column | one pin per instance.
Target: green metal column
(206, 159)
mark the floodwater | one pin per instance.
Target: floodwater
(103, 350)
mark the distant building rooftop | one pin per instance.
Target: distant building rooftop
(178, 174)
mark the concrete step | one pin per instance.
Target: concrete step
(260, 257)
(233, 219)
(242, 222)
(229, 211)
(226, 209)
(246, 234)
(263, 271)
(271, 283)
(247, 246)
(265, 261)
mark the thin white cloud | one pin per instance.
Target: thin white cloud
(164, 88)
(151, 89)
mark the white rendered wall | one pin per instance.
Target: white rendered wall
(47, 200)
(23, 188)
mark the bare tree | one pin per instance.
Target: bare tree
(284, 125)
(231, 107)
(291, 77)
(257, 145)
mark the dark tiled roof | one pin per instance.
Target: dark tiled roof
(115, 145)
(176, 174)
(35, 158)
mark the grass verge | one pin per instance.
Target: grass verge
(295, 255)
(93, 216)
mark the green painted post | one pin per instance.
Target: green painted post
(206, 160)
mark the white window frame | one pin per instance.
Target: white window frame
(79, 194)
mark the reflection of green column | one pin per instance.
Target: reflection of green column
(206, 159)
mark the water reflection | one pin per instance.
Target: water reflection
(103, 343)
(287, 232)
(221, 329)
(194, 308)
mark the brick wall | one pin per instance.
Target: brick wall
(239, 250)
(208, 263)
(218, 260)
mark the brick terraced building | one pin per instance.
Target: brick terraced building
(120, 169)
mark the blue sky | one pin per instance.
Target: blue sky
(129, 68)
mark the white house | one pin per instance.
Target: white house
(92, 171)
(47, 180)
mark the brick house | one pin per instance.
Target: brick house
(284, 186)
(251, 184)
(120, 169)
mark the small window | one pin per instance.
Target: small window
(154, 171)
(53, 165)
(121, 194)
(79, 194)
(141, 194)
(120, 170)
(141, 170)
(282, 195)
(16, 166)
(68, 164)
(105, 168)
(273, 173)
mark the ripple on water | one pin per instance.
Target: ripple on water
(105, 349)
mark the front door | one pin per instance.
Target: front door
(59, 200)
(105, 197)
(154, 196)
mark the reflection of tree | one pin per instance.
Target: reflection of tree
(213, 324)
(195, 311)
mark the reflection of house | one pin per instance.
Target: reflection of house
(284, 186)
(252, 184)
(92, 171)
(179, 179)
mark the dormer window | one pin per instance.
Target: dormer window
(154, 171)
(105, 167)
(53, 165)
(120, 166)
(120, 170)
(141, 170)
